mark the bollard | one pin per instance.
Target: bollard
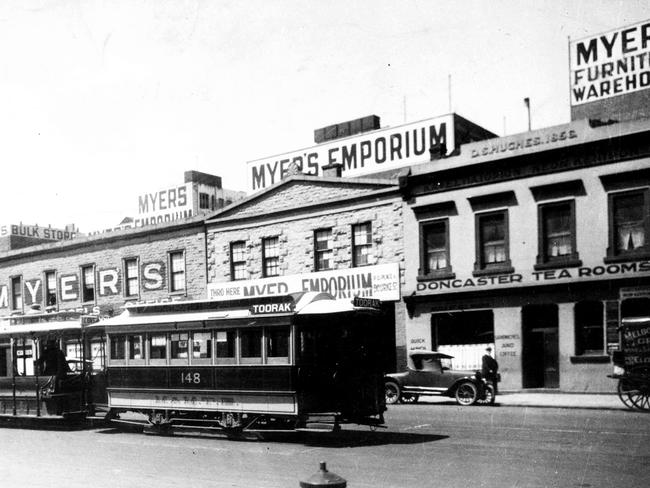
(324, 478)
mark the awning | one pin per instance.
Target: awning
(38, 328)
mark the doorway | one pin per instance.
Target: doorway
(540, 355)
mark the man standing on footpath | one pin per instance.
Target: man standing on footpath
(490, 368)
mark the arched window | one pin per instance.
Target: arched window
(589, 328)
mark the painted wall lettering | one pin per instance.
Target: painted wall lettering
(69, 287)
(108, 282)
(4, 300)
(152, 274)
(34, 293)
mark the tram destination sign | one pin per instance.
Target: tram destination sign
(381, 282)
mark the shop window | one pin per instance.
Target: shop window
(176, 271)
(492, 250)
(50, 289)
(361, 244)
(629, 221)
(226, 346)
(434, 250)
(323, 249)
(277, 345)
(589, 328)
(238, 260)
(271, 256)
(88, 283)
(557, 235)
(17, 293)
(251, 346)
(131, 287)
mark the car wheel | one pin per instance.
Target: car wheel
(392, 393)
(409, 398)
(490, 397)
(466, 393)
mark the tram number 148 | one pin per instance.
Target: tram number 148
(190, 378)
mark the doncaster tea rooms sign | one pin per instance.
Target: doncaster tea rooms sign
(610, 64)
(362, 154)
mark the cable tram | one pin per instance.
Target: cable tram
(301, 362)
(50, 365)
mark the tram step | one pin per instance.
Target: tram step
(318, 427)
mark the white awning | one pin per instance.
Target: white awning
(38, 328)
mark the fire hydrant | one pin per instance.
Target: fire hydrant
(324, 478)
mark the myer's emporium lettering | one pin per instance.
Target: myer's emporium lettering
(361, 154)
(610, 64)
(381, 282)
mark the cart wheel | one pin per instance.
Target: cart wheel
(628, 392)
(641, 381)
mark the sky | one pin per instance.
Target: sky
(103, 101)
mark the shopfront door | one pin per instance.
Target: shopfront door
(540, 354)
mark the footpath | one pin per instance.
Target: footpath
(604, 401)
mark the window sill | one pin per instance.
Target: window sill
(438, 275)
(622, 258)
(501, 270)
(569, 262)
(587, 359)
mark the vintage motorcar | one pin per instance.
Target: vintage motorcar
(429, 374)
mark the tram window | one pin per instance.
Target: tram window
(118, 348)
(136, 349)
(179, 347)
(201, 345)
(24, 357)
(251, 346)
(277, 345)
(226, 340)
(158, 348)
(73, 352)
(98, 352)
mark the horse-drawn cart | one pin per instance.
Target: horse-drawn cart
(632, 363)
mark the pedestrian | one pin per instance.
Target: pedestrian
(490, 368)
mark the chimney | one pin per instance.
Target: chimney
(332, 171)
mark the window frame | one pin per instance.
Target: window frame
(47, 273)
(126, 289)
(481, 268)
(171, 272)
(319, 252)
(234, 264)
(356, 246)
(424, 273)
(581, 351)
(82, 283)
(14, 296)
(613, 254)
(266, 260)
(544, 261)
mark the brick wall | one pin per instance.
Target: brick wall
(151, 248)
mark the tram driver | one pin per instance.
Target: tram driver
(53, 362)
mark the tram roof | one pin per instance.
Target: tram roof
(35, 328)
(43, 322)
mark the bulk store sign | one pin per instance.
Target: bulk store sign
(554, 276)
(381, 282)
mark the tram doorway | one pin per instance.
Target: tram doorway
(540, 353)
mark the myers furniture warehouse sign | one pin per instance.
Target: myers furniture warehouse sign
(370, 152)
(381, 282)
(610, 64)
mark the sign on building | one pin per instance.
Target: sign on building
(610, 64)
(165, 205)
(363, 154)
(381, 282)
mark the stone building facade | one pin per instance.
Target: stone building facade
(341, 236)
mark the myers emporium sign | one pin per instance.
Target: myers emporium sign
(164, 205)
(610, 64)
(375, 151)
(381, 282)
